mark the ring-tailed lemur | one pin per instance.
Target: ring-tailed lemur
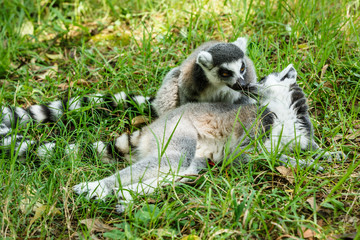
(212, 73)
(180, 142)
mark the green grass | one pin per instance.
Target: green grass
(108, 46)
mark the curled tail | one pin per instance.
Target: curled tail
(25, 148)
(52, 112)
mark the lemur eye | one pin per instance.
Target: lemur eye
(225, 73)
(242, 69)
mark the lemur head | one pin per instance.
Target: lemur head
(280, 91)
(285, 78)
(225, 64)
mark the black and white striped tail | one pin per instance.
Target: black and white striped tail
(118, 148)
(13, 116)
(24, 147)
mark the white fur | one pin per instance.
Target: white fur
(217, 82)
(37, 112)
(219, 93)
(241, 42)
(205, 59)
(72, 149)
(120, 98)
(96, 99)
(44, 150)
(23, 115)
(278, 101)
(74, 103)
(56, 109)
(235, 68)
(6, 114)
(140, 99)
(6, 141)
(122, 143)
(4, 129)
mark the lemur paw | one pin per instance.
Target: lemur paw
(92, 190)
(121, 207)
(289, 161)
(336, 156)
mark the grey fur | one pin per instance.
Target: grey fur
(199, 131)
(192, 81)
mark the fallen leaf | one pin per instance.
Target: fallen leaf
(306, 233)
(50, 72)
(139, 120)
(323, 70)
(309, 234)
(27, 28)
(312, 202)
(338, 137)
(65, 85)
(54, 56)
(95, 225)
(353, 135)
(39, 211)
(191, 237)
(82, 82)
(320, 222)
(25, 203)
(303, 46)
(347, 236)
(286, 172)
(328, 85)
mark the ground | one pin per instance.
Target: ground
(55, 49)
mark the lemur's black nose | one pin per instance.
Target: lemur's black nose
(240, 84)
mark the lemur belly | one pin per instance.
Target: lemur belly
(213, 133)
(286, 126)
(212, 149)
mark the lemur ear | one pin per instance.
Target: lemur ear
(288, 73)
(241, 43)
(205, 59)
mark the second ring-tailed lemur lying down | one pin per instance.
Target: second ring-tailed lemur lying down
(212, 73)
(180, 142)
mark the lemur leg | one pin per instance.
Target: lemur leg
(290, 161)
(140, 171)
(125, 194)
(143, 169)
(286, 160)
(177, 156)
(326, 155)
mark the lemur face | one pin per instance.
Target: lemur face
(285, 78)
(274, 85)
(224, 64)
(279, 87)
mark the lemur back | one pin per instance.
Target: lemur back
(180, 142)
